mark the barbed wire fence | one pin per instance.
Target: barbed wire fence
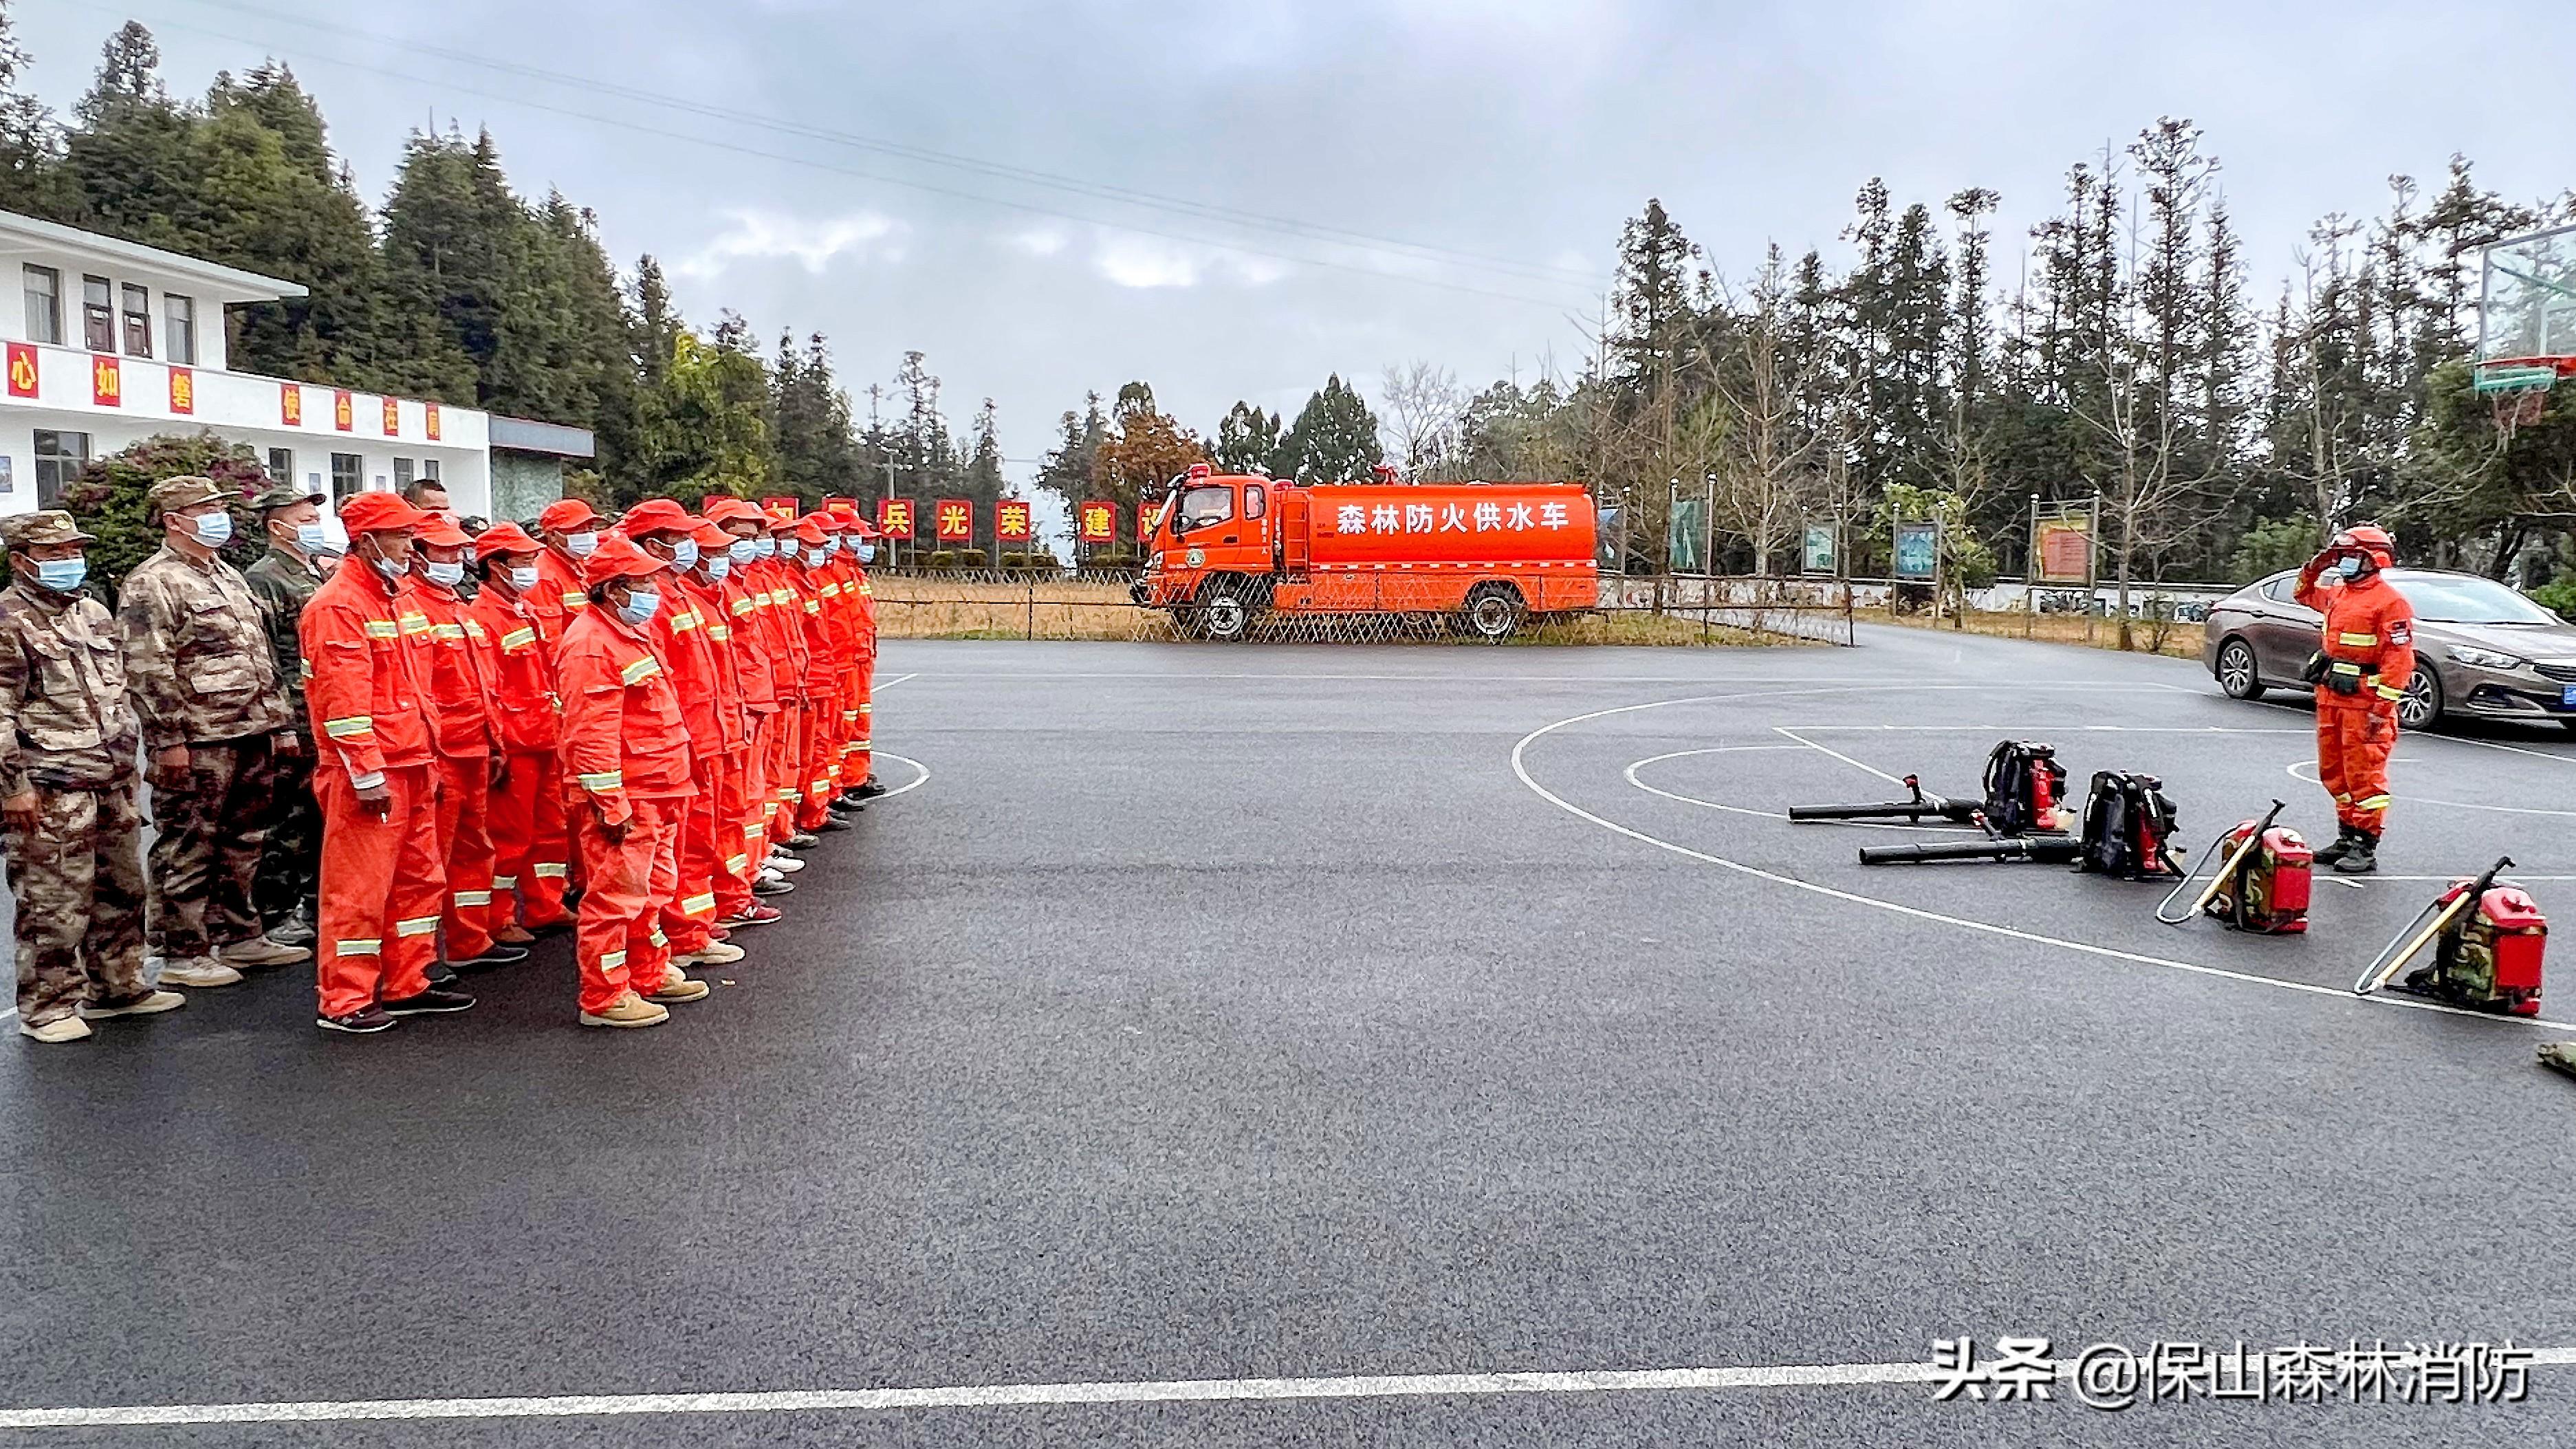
(1097, 604)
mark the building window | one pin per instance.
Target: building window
(138, 320)
(59, 460)
(179, 329)
(45, 305)
(281, 466)
(348, 476)
(98, 315)
(429, 470)
(402, 472)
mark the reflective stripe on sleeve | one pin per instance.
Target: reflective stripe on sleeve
(2357, 641)
(2387, 693)
(641, 670)
(518, 639)
(349, 726)
(383, 629)
(599, 783)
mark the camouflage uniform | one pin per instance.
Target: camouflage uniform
(69, 735)
(203, 675)
(290, 869)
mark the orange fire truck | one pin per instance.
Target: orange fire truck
(1226, 551)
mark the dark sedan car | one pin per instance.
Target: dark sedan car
(2480, 648)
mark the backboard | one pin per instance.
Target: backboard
(2527, 299)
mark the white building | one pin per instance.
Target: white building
(109, 342)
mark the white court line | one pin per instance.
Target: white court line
(2008, 729)
(1520, 768)
(980, 1396)
(916, 782)
(1839, 755)
(2310, 778)
(2424, 735)
(891, 683)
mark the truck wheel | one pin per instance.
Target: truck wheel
(1493, 612)
(1223, 614)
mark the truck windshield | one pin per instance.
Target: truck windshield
(1205, 508)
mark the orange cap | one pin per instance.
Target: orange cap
(379, 513)
(655, 515)
(617, 558)
(725, 508)
(567, 515)
(504, 538)
(813, 528)
(709, 534)
(440, 530)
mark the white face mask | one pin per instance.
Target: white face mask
(214, 530)
(640, 605)
(579, 545)
(743, 550)
(717, 566)
(445, 575)
(524, 578)
(787, 549)
(313, 537)
(768, 546)
(867, 551)
(684, 554)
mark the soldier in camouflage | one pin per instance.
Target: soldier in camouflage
(299, 557)
(204, 681)
(67, 742)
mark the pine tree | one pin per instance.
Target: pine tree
(31, 177)
(128, 158)
(1066, 471)
(1247, 439)
(1334, 440)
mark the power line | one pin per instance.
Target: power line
(1225, 244)
(1410, 250)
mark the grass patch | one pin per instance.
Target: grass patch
(909, 608)
(2146, 636)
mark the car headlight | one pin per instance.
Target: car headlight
(2484, 658)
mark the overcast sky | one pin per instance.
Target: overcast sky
(1234, 199)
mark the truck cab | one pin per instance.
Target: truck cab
(1209, 525)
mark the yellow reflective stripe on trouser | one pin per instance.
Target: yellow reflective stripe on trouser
(2375, 802)
(416, 926)
(737, 862)
(370, 947)
(505, 882)
(612, 960)
(474, 898)
(2358, 641)
(657, 938)
(698, 905)
(551, 870)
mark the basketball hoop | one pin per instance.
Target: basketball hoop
(2518, 390)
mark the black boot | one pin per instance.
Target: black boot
(2362, 858)
(2345, 835)
(297, 929)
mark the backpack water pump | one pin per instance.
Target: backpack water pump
(2487, 941)
(2255, 878)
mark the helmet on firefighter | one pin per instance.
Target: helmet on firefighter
(2371, 541)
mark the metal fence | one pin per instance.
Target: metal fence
(1377, 608)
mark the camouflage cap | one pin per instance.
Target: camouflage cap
(286, 495)
(32, 530)
(185, 491)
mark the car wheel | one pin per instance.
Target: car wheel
(2422, 706)
(2237, 673)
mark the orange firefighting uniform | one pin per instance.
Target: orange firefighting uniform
(754, 801)
(819, 693)
(625, 754)
(716, 816)
(527, 807)
(860, 762)
(2369, 643)
(678, 636)
(366, 685)
(784, 621)
(460, 683)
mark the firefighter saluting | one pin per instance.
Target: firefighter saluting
(2367, 659)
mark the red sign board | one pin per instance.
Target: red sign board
(431, 410)
(183, 390)
(106, 382)
(344, 411)
(1099, 521)
(290, 405)
(393, 418)
(1011, 520)
(894, 517)
(954, 518)
(1145, 512)
(22, 370)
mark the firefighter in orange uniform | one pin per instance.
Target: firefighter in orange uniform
(858, 777)
(760, 655)
(678, 634)
(626, 783)
(366, 687)
(471, 763)
(719, 813)
(819, 694)
(527, 819)
(2369, 656)
(569, 529)
(787, 620)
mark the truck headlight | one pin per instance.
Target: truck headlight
(2484, 658)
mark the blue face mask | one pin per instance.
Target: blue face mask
(639, 606)
(2349, 566)
(445, 575)
(313, 537)
(867, 551)
(684, 554)
(62, 575)
(718, 565)
(523, 579)
(579, 545)
(787, 549)
(768, 546)
(214, 530)
(743, 550)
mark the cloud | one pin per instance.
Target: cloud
(1133, 259)
(1044, 240)
(865, 236)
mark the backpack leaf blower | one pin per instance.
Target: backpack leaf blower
(2256, 880)
(2126, 824)
(2487, 942)
(2023, 784)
